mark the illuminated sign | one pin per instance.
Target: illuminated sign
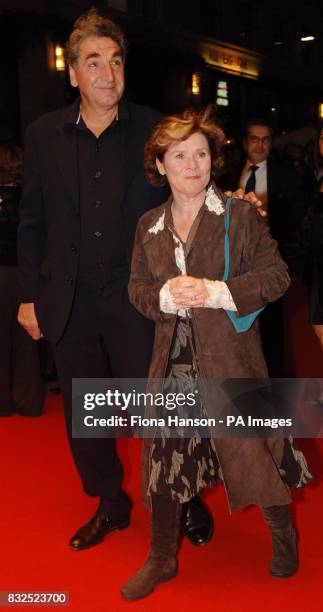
(231, 59)
(222, 98)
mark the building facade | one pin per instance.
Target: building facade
(245, 57)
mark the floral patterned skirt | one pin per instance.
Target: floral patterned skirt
(181, 466)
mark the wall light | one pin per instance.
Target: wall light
(307, 38)
(59, 58)
(196, 84)
(321, 110)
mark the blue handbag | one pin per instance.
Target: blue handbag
(241, 324)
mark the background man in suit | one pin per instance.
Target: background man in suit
(84, 192)
(274, 181)
(277, 185)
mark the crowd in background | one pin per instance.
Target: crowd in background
(307, 162)
(23, 363)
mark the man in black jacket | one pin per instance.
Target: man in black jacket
(84, 192)
(274, 181)
(278, 187)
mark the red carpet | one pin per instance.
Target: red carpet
(42, 504)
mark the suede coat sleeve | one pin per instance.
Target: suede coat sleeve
(144, 287)
(263, 275)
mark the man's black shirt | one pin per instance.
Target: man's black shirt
(103, 260)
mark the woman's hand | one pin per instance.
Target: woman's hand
(188, 292)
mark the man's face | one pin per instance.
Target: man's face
(321, 143)
(99, 73)
(258, 143)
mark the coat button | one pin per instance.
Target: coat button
(73, 247)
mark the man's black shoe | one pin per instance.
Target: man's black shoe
(93, 532)
(197, 522)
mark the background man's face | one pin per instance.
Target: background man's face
(321, 143)
(99, 73)
(258, 143)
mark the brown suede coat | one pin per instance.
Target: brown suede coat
(250, 466)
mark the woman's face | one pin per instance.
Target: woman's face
(187, 166)
(321, 143)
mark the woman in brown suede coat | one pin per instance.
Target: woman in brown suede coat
(176, 280)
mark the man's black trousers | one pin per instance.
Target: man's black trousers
(105, 337)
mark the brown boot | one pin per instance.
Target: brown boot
(284, 541)
(161, 564)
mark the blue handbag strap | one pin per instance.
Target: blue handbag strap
(227, 240)
(241, 324)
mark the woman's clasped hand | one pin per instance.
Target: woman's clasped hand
(188, 292)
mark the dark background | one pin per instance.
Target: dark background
(164, 36)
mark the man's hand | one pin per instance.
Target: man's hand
(27, 319)
(188, 292)
(318, 328)
(250, 197)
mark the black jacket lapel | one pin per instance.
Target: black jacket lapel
(132, 153)
(65, 150)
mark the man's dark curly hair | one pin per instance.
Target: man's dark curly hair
(93, 24)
